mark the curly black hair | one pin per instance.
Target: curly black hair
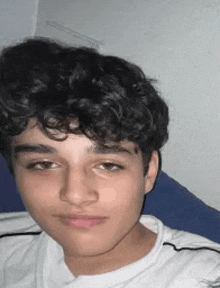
(110, 98)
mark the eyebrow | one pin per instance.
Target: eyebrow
(46, 149)
(36, 148)
(104, 149)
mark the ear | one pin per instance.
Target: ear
(151, 174)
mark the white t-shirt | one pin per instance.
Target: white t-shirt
(30, 258)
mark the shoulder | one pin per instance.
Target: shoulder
(21, 243)
(185, 254)
(195, 256)
(15, 223)
(180, 241)
(18, 231)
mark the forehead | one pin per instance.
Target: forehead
(35, 140)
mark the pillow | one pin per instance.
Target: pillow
(10, 200)
(180, 209)
(169, 201)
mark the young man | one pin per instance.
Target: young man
(81, 133)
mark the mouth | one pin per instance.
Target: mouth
(82, 220)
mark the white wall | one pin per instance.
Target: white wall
(17, 20)
(178, 43)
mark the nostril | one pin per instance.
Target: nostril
(78, 191)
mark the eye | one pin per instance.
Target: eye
(42, 165)
(108, 166)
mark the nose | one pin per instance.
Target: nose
(78, 188)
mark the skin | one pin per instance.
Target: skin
(79, 179)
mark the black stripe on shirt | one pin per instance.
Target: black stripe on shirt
(190, 248)
(20, 234)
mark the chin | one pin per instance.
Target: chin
(85, 250)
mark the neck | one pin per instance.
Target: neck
(126, 252)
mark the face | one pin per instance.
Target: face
(86, 197)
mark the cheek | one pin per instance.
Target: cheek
(37, 191)
(125, 193)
